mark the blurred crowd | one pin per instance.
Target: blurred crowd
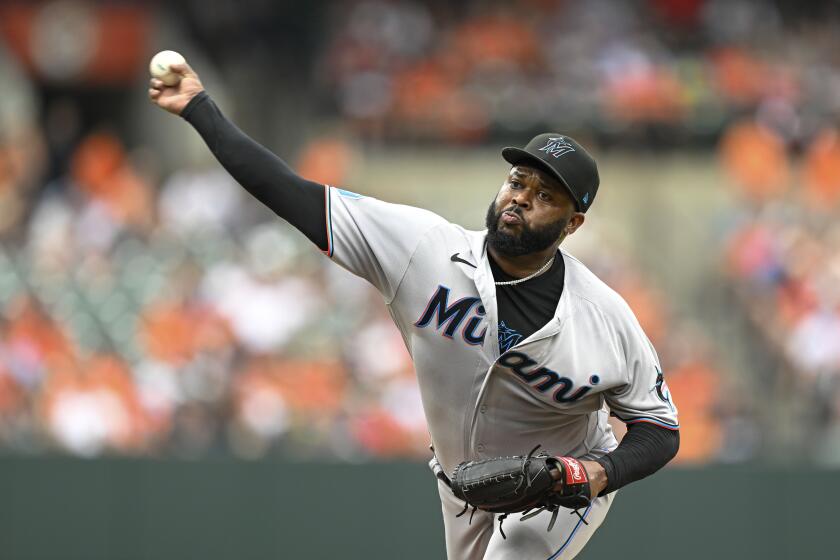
(157, 311)
(131, 326)
(655, 72)
(782, 253)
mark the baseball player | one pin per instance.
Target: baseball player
(515, 342)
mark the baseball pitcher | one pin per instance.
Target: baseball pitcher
(521, 352)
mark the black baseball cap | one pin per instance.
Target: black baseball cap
(561, 157)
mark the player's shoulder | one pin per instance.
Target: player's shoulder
(591, 292)
(365, 208)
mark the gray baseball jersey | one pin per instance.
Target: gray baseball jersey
(555, 388)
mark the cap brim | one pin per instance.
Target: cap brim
(518, 156)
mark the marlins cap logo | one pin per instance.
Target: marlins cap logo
(557, 146)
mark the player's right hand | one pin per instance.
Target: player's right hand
(175, 98)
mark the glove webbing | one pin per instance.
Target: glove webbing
(554, 511)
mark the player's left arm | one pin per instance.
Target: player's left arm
(645, 404)
(644, 450)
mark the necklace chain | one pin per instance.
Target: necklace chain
(545, 267)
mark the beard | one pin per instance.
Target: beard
(529, 240)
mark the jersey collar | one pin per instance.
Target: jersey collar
(483, 278)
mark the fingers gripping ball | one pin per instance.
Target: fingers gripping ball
(522, 483)
(159, 67)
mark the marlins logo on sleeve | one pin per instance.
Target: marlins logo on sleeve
(645, 397)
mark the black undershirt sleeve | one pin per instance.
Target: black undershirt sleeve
(645, 449)
(267, 177)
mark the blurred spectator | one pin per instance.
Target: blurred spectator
(680, 68)
(101, 170)
(822, 171)
(326, 160)
(783, 259)
(757, 159)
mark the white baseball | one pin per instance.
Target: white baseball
(159, 67)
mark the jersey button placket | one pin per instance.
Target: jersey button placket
(479, 447)
(482, 409)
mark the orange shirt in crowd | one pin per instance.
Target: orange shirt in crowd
(380, 434)
(756, 158)
(694, 386)
(651, 96)
(306, 386)
(102, 171)
(30, 326)
(646, 304)
(419, 88)
(12, 396)
(326, 160)
(173, 333)
(739, 75)
(821, 171)
(497, 39)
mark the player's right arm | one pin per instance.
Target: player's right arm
(262, 173)
(371, 238)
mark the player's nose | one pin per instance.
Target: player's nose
(522, 198)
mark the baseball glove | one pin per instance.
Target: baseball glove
(522, 483)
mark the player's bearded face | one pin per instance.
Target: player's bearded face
(529, 239)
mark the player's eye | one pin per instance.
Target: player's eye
(544, 196)
(515, 184)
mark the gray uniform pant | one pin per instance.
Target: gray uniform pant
(526, 540)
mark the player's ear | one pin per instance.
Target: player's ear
(575, 222)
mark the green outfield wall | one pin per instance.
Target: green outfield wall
(141, 509)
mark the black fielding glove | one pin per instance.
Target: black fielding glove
(522, 483)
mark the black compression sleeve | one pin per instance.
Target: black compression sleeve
(645, 449)
(263, 174)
